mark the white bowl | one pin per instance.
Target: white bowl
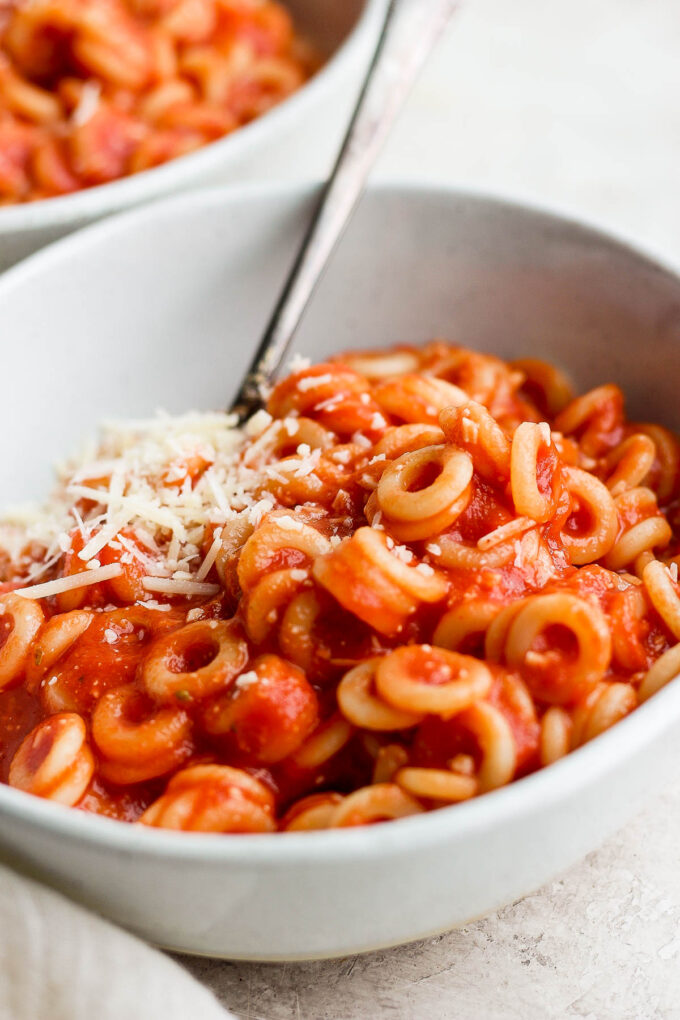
(160, 307)
(341, 32)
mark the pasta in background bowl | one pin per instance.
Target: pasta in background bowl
(109, 104)
(501, 279)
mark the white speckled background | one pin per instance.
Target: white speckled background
(575, 106)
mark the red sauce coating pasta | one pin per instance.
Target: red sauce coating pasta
(449, 572)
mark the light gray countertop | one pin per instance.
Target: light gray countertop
(602, 942)
(575, 106)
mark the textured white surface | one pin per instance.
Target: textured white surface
(575, 106)
(601, 942)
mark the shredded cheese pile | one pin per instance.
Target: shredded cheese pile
(169, 479)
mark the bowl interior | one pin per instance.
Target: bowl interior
(161, 308)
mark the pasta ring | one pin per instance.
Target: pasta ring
(360, 705)
(376, 803)
(138, 745)
(400, 502)
(54, 760)
(162, 672)
(588, 626)
(26, 619)
(456, 681)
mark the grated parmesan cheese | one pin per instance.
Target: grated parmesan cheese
(289, 523)
(257, 423)
(311, 382)
(87, 104)
(178, 586)
(298, 363)
(61, 584)
(361, 440)
(169, 483)
(246, 680)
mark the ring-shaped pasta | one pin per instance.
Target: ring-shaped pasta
(595, 540)
(495, 739)
(454, 554)
(604, 707)
(640, 562)
(417, 398)
(359, 703)
(664, 476)
(469, 618)
(54, 760)
(555, 389)
(595, 415)
(380, 365)
(301, 392)
(648, 534)
(497, 631)
(555, 736)
(471, 428)
(371, 581)
(482, 377)
(296, 632)
(274, 537)
(401, 439)
(627, 647)
(400, 501)
(579, 674)
(661, 672)
(378, 803)
(218, 645)
(324, 743)
(421, 678)
(213, 798)
(436, 784)
(311, 813)
(629, 463)
(427, 586)
(25, 618)
(267, 599)
(138, 741)
(527, 493)
(233, 536)
(53, 641)
(663, 593)
(417, 531)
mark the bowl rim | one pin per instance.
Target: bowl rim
(183, 171)
(523, 797)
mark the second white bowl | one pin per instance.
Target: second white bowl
(341, 32)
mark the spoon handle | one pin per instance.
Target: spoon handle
(410, 30)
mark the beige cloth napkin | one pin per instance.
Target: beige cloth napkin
(60, 962)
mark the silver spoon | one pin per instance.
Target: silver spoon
(409, 32)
